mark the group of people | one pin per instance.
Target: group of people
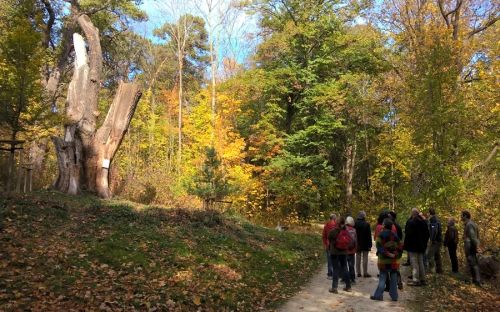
(347, 244)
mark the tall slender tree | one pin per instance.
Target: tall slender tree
(188, 39)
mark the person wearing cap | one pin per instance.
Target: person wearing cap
(326, 229)
(389, 250)
(364, 240)
(471, 246)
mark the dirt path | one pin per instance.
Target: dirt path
(314, 297)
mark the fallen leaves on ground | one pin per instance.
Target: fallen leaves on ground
(65, 253)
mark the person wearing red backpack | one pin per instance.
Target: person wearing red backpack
(326, 229)
(351, 252)
(340, 242)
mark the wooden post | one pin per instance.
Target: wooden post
(31, 180)
(25, 178)
(11, 165)
(19, 172)
(12, 159)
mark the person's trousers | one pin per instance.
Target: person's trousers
(364, 255)
(329, 262)
(474, 267)
(434, 256)
(452, 251)
(340, 268)
(392, 275)
(350, 267)
(417, 265)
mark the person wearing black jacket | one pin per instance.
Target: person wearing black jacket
(399, 230)
(407, 263)
(415, 242)
(451, 242)
(364, 235)
(435, 242)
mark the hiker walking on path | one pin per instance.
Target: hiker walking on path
(435, 241)
(326, 229)
(351, 252)
(389, 249)
(471, 245)
(415, 242)
(364, 243)
(340, 242)
(451, 242)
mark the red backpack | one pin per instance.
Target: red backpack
(344, 240)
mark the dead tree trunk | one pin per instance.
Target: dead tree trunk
(108, 138)
(85, 154)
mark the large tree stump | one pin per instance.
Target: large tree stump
(85, 154)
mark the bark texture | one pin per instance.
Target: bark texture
(85, 153)
(349, 174)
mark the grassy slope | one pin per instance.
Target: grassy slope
(60, 253)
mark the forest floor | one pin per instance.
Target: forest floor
(314, 296)
(453, 292)
(64, 253)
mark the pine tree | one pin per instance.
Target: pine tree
(210, 185)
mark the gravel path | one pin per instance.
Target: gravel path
(314, 297)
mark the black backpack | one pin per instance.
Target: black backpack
(434, 228)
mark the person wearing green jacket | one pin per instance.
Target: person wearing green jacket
(471, 246)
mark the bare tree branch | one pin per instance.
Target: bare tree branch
(491, 21)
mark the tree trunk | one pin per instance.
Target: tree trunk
(108, 138)
(84, 155)
(37, 151)
(180, 58)
(212, 98)
(349, 174)
(69, 161)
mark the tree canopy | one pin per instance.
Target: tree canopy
(340, 106)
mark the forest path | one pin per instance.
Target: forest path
(314, 297)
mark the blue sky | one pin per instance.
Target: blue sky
(239, 45)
